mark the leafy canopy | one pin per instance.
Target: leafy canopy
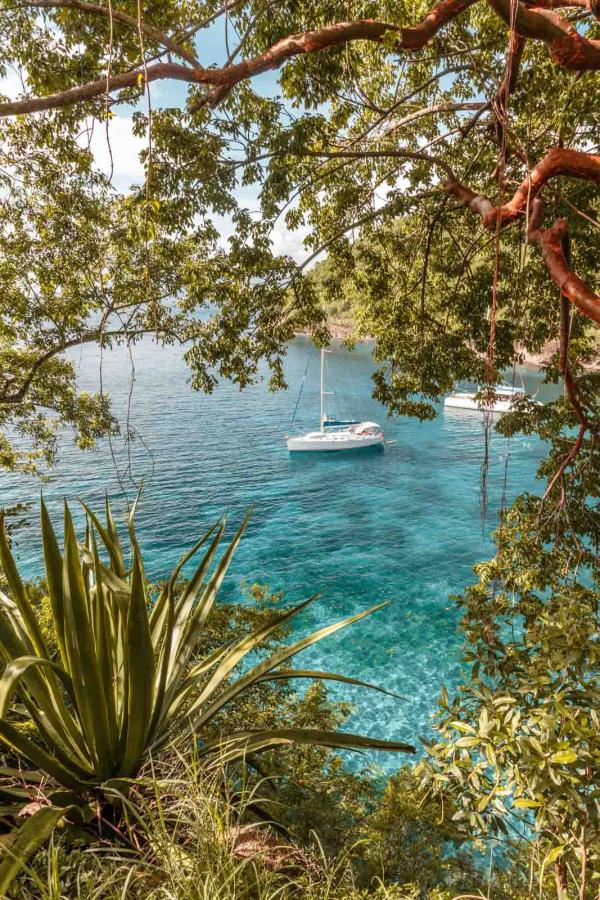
(388, 123)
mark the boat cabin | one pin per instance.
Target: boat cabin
(365, 428)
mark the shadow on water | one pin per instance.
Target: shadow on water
(304, 457)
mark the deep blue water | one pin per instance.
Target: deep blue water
(402, 525)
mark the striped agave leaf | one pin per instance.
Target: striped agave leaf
(126, 679)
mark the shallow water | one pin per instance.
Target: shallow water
(402, 525)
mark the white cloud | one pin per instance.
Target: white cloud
(290, 242)
(124, 147)
(11, 85)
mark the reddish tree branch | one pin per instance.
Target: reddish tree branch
(566, 47)
(557, 161)
(550, 241)
(516, 45)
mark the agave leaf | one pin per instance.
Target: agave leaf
(15, 670)
(229, 662)
(114, 536)
(183, 608)
(202, 667)
(316, 675)
(140, 672)
(158, 612)
(54, 564)
(196, 675)
(109, 537)
(239, 744)
(40, 695)
(186, 600)
(241, 684)
(184, 647)
(83, 663)
(41, 759)
(19, 595)
(119, 588)
(13, 637)
(164, 660)
(103, 633)
(34, 832)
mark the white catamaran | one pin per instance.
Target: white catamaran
(502, 399)
(336, 434)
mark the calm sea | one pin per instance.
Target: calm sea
(402, 525)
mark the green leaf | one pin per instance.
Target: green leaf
(140, 672)
(266, 666)
(19, 595)
(554, 854)
(82, 658)
(16, 740)
(54, 577)
(525, 803)
(110, 538)
(228, 663)
(34, 832)
(287, 674)
(15, 670)
(238, 744)
(564, 757)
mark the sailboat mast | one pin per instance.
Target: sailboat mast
(322, 426)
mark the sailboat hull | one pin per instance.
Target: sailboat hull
(321, 442)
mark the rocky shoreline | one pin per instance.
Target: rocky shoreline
(342, 329)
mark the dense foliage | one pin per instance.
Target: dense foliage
(520, 743)
(446, 159)
(392, 126)
(343, 834)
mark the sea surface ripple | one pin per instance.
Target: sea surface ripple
(403, 525)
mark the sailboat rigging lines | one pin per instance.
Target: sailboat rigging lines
(334, 435)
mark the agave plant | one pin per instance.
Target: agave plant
(125, 681)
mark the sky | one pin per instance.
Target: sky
(126, 147)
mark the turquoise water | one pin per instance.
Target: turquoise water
(402, 525)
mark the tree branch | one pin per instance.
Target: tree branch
(551, 244)
(566, 46)
(97, 335)
(525, 200)
(550, 240)
(118, 16)
(557, 161)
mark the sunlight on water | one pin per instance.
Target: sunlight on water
(402, 525)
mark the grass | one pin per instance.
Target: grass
(183, 840)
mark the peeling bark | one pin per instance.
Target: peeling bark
(551, 241)
(551, 244)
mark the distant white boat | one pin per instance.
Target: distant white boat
(335, 435)
(502, 400)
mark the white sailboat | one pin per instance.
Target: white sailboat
(501, 401)
(334, 434)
